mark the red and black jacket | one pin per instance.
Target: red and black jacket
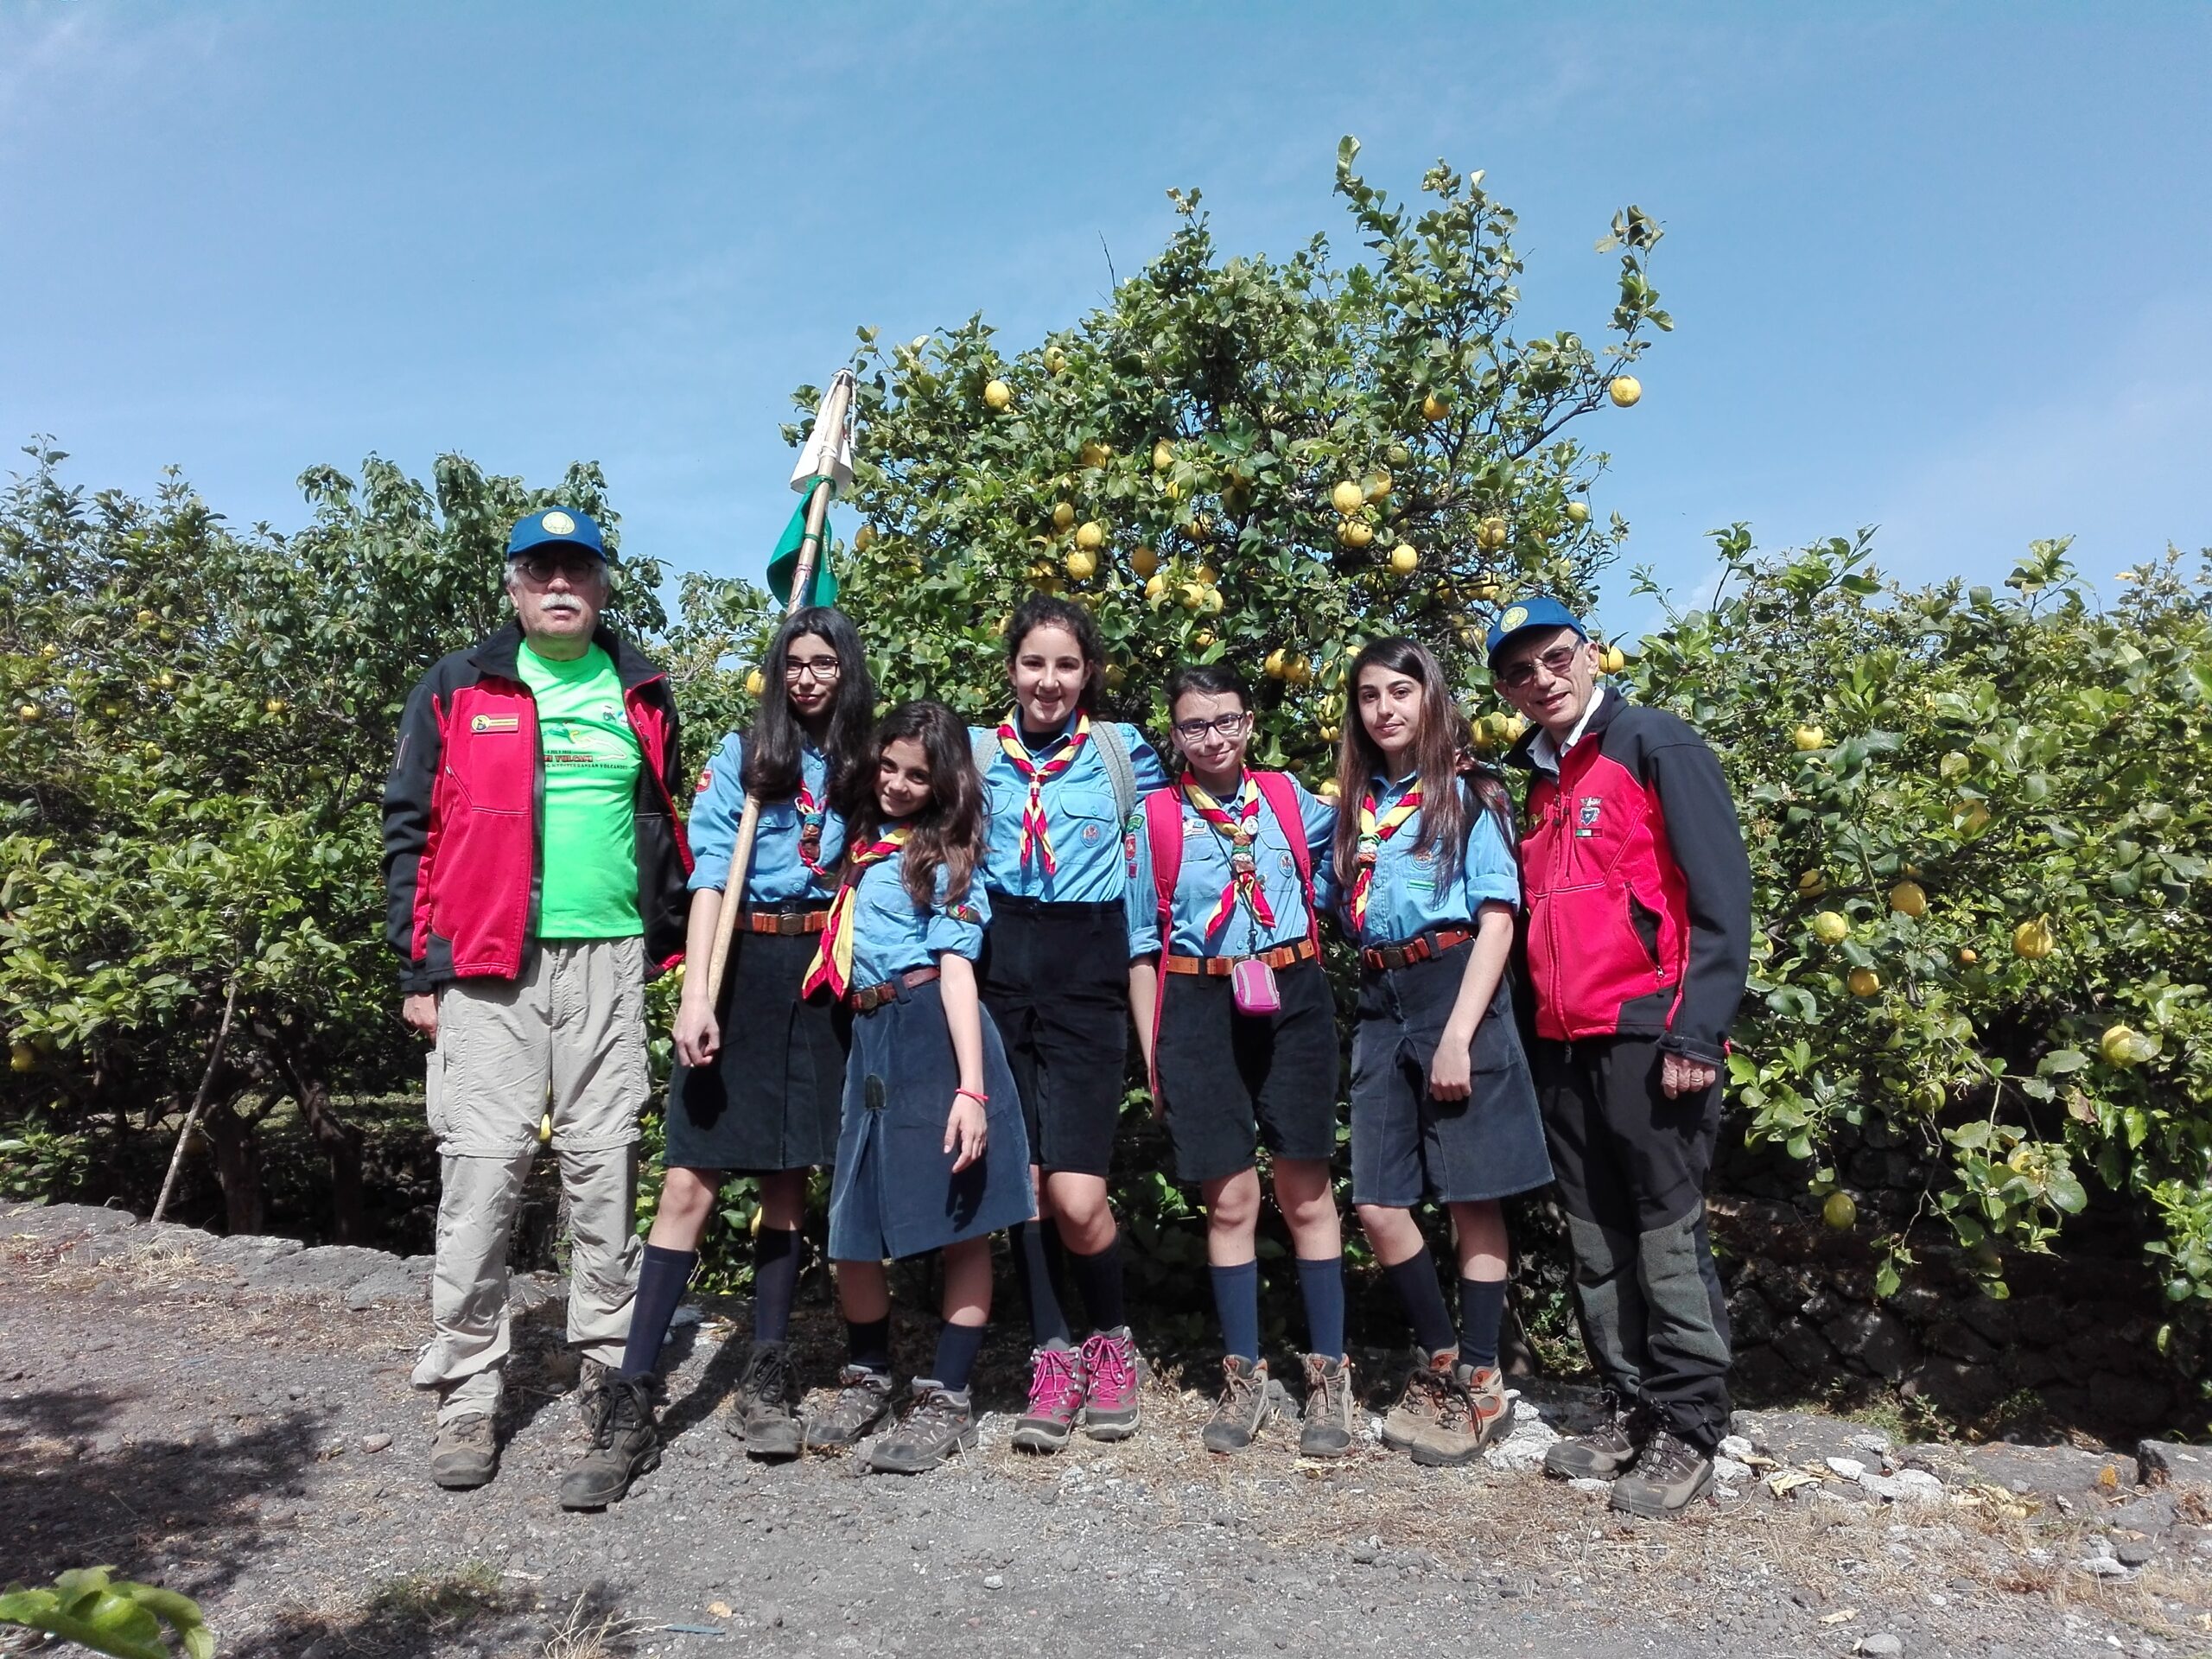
(1638, 888)
(461, 812)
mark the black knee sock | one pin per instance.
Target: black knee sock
(1099, 1279)
(775, 1283)
(957, 1348)
(1414, 1280)
(1236, 1303)
(867, 1344)
(661, 1277)
(1482, 1310)
(1037, 1261)
(1321, 1287)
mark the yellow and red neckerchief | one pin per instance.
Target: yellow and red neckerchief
(1240, 829)
(1036, 834)
(833, 958)
(1372, 835)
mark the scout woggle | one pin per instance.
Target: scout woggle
(1372, 835)
(833, 958)
(1243, 868)
(810, 814)
(1035, 836)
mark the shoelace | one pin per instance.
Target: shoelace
(1052, 1385)
(772, 1375)
(1112, 1361)
(1242, 1385)
(933, 1413)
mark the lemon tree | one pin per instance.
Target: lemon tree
(1980, 824)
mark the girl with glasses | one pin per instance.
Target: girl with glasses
(1239, 1030)
(758, 1079)
(1443, 1108)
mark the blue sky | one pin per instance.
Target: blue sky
(1942, 268)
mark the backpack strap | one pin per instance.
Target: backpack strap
(1114, 751)
(1163, 833)
(1282, 796)
(984, 739)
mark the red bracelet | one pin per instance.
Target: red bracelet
(975, 1095)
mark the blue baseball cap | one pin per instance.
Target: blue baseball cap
(1523, 615)
(562, 524)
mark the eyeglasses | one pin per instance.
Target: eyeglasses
(822, 668)
(543, 567)
(1231, 727)
(1555, 662)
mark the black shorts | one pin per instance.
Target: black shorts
(1056, 980)
(1233, 1082)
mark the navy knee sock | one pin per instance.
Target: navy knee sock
(661, 1277)
(1414, 1280)
(1321, 1286)
(957, 1348)
(867, 1344)
(1236, 1301)
(775, 1283)
(1482, 1309)
(1037, 1260)
(1098, 1279)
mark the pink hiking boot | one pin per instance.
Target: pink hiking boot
(1110, 1410)
(1058, 1381)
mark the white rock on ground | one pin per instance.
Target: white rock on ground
(1736, 1448)
(1524, 1448)
(1729, 1470)
(1849, 1468)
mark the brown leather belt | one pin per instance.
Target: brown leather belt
(1221, 967)
(1405, 952)
(785, 923)
(868, 998)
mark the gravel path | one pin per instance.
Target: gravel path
(231, 1418)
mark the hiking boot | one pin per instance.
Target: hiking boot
(1667, 1475)
(465, 1454)
(767, 1420)
(1057, 1381)
(1478, 1415)
(1109, 1392)
(1605, 1450)
(625, 1443)
(937, 1423)
(863, 1400)
(1326, 1427)
(1421, 1406)
(1246, 1403)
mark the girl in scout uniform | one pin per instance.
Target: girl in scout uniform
(1239, 1029)
(758, 1081)
(1060, 786)
(933, 1154)
(1442, 1105)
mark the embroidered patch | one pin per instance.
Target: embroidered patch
(496, 723)
(706, 780)
(967, 913)
(1092, 834)
(1591, 805)
(1193, 827)
(1513, 619)
(557, 523)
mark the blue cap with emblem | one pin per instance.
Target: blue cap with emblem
(564, 525)
(1524, 614)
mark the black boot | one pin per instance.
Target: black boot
(771, 1428)
(625, 1443)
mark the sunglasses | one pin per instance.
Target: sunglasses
(1556, 661)
(543, 567)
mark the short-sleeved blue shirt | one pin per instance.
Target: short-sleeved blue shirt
(1079, 815)
(891, 936)
(776, 875)
(1405, 898)
(1205, 872)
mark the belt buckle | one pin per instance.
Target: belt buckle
(790, 923)
(1393, 956)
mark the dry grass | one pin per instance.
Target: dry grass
(590, 1633)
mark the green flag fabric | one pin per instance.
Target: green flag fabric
(784, 564)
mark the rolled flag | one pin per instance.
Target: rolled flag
(827, 458)
(822, 589)
(829, 451)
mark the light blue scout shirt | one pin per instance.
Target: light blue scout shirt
(776, 876)
(1405, 899)
(1205, 872)
(1079, 812)
(891, 937)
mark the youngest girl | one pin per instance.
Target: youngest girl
(932, 1155)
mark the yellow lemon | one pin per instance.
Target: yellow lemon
(864, 539)
(1839, 1210)
(1930, 1098)
(21, 1057)
(1808, 738)
(1155, 588)
(1277, 660)
(1434, 408)
(1908, 898)
(1202, 638)
(1063, 515)
(1968, 955)
(997, 393)
(1487, 592)
(1492, 533)
(1831, 927)
(1297, 671)
(1144, 562)
(1624, 391)
(273, 706)
(1971, 816)
(1055, 359)
(1209, 576)
(2123, 1046)
(1811, 884)
(1094, 453)
(27, 711)
(1191, 595)
(1082, 566)
(1347, 498)
(1865, 982)
(1614, 660)
(1091, 536)
(1163, 455)
(146, 619)
(1355, 533)
(1378, 485)
(1211, 602)
(1577, 513)
(1404, 558)
(756, 682)
(2033, 940)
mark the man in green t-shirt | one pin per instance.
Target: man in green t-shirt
(534, 874)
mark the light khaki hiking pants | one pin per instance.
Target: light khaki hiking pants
(568, 1037)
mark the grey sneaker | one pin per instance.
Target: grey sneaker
(1669, 1474)
(1478, 1416)
(1421, 1405)
(937, 1423)
(1246, 1403)
(1605, 1450)
(1326, 1427)
(863, 1400)
(625, 1443)
(766, 1419)
(465, 1454)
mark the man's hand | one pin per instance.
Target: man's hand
(1680, 1075)
(1449, 1074)
(420, 1010)
(698, 1038)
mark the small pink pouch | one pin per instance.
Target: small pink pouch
(1252, 983)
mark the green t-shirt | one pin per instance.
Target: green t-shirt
(590, 856)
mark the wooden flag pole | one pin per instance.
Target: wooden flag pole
(809, 550)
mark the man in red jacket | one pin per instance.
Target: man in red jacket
(535, 875)
(1638, 898)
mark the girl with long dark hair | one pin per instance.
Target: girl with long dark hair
(933, 1154)
(1443, 1108)
(1061, 786)
(758, 1079)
